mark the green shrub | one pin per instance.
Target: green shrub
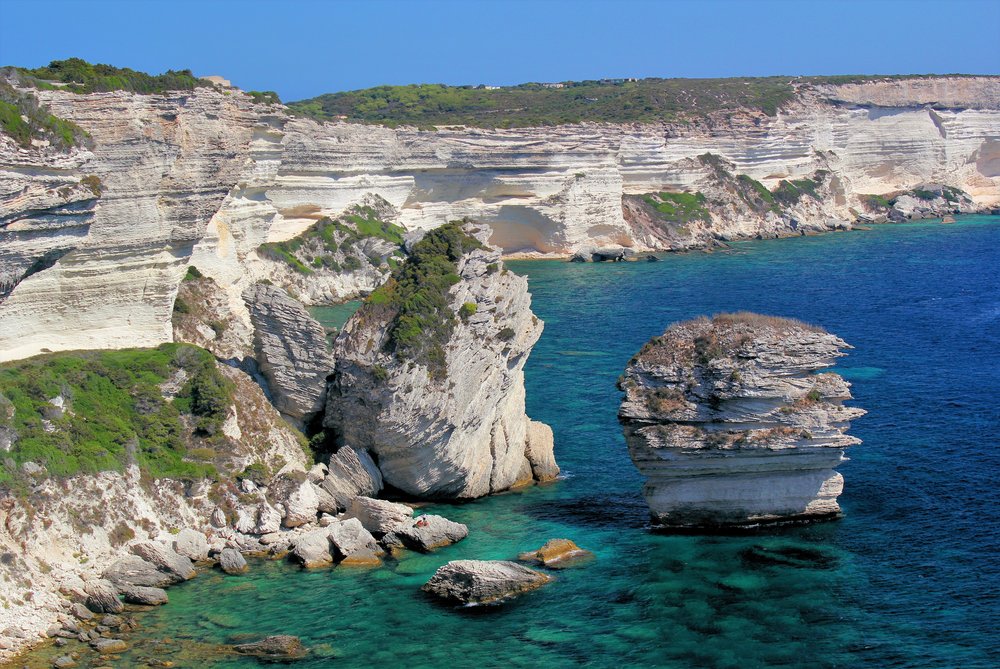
(117, 412)
(679, 207)
(613, 101)
(264, 97)
(40, 124)
(192, 273)
(506, 334)
(84, 77)
(415, 298)
(468, 309)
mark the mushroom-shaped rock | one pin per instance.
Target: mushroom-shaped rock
(192, 544)
(278, 648)
(482, 581)
(312, 549)
(231, 561)
(349, 537)
(137, 594)
(102, 597)
(165, 559)
(428, 532)
(733, 423)
(133, 570)
(379, 516)
(557, 554)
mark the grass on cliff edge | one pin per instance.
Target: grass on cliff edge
(78, 76)
(415, 298)
(24, 119)
(115, 411)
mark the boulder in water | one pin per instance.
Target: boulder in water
(482, 581)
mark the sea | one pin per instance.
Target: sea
(909, 577)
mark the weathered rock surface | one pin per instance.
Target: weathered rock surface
(557, 554)
(312, 549)
(109, 646)
(133, 570)
(137, 594)
(165, 559)
(279, 648)
(231, 561)
(460, 433)
(192, 544)
(732, 425)
(482, 581)
(379, 516)
(102, 597)
(291, 349)
(352, 473)
(428, 532)
(349, 538)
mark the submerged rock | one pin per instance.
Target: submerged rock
(436, 393)
(557, 554)
(281, 648)
(482, 581)
(733, 426)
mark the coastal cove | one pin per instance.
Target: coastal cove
(901, 580)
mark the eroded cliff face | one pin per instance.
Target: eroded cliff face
(734, 424)
(205, 177)
(451, 422)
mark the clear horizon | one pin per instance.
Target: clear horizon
(308, 48)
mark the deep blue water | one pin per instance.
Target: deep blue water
(908, 578)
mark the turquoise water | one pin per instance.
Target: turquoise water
(335, 316)
(909, 578)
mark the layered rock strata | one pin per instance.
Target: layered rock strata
(457, 431)
(734, 424)
(483, 581)
(291, 349)
(205, 177)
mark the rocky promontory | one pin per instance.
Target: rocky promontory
(733, 423)
(429, 375)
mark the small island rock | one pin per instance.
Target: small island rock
(482, 581)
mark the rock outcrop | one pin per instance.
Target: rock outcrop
(733, 424)
(291, 349)
(437, 395)
(482, 581)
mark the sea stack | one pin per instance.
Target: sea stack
(734, 425)
(429, 375)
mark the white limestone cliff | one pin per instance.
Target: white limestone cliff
(205, 177)
(453, 428)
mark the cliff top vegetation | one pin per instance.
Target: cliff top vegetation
(545, 104)
(79, 76)
(415, 298)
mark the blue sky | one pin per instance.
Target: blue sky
(302, 48)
